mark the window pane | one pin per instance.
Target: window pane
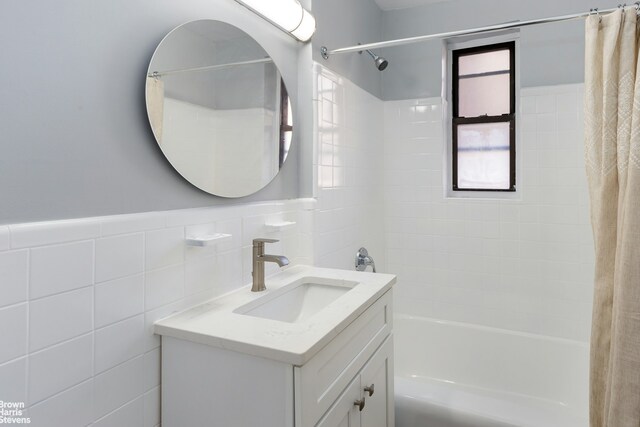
(289, 112)
(484, 95)
(483, 156)
(497, 60)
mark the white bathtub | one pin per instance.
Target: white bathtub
(450, 374)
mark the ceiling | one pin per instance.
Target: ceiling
(402, 4)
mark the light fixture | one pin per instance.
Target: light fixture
(288, 15)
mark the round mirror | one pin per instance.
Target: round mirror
(219, 108)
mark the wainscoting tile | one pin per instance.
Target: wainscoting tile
(60, 367)
(50, 233)
(14, 271)
(13, 386)
(152, 369)
(200, 274)
(60, 317)
(129, 415)
(118, 343)
(118, 386)
(13, 332)
(163, 286)
(164, 247)
(60, 268)
(119, 256)
(78, 304)
(72, 407)
(118, 299)
(152, 408)
(127, 224)
(4, 238)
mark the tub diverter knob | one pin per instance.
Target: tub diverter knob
(370, 389)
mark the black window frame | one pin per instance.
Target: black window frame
(504, 118)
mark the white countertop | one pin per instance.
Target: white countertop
(214, 322)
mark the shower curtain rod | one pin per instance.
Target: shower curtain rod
(157, 74)
(515, 24)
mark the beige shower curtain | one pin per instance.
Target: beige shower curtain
(612, 151)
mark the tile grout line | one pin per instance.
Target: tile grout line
(93, 308)
(28, 343)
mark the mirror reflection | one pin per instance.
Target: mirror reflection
(219, 108)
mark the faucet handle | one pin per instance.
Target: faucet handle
(259, 241)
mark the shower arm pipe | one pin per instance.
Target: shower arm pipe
(157, 74)
(496, 27)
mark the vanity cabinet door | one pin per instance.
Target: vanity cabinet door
(344, 412)
(368, 400)
(376, 381)
(320, 382)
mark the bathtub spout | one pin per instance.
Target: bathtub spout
(363, 260)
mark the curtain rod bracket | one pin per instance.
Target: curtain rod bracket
(324, 52)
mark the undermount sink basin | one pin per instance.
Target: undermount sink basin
(298, 302)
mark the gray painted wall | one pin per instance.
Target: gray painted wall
(74, 132)
(345, 23)
(549, 54)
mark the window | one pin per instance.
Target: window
(286, 123)
(483, 118)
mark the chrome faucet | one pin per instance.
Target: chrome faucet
(363, 260)
(259, 258)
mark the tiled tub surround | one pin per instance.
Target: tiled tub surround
(78, 300)
(523, 265)
(349, 163)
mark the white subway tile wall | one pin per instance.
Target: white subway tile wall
(72, 407)
(118, 299)
(79, 299)
(119, 256)
(60, 317)
(128, 415)
(13, 385)
(59, 367)
(524, 265)
(349, 165)
(13, 330)
(14, 270)
(49, 272)
(4, 238)
(41, 233)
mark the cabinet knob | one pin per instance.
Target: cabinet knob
(359, 404)
(370, 389)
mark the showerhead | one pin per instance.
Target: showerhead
(380, 62)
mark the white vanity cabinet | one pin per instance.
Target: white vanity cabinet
(207, 385)
(361, 354)
(368, 399)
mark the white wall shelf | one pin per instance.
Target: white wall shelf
(208, 239)
(279, 225)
